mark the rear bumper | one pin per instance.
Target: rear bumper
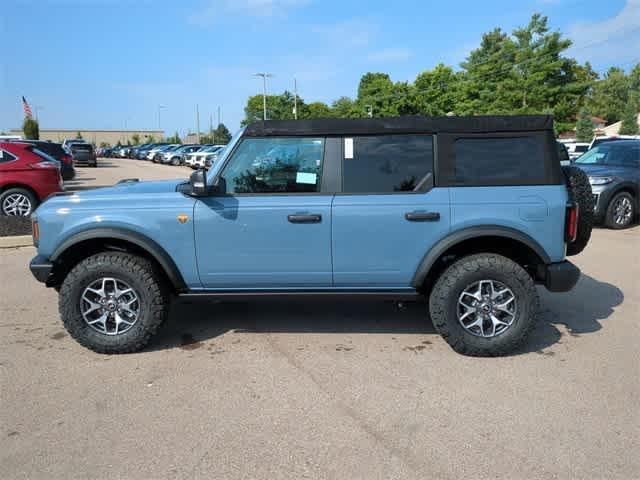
(560, 276)
(41, 268)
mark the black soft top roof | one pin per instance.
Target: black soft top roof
(408, 124)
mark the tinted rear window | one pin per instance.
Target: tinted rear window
(499, 161)
(85, 147)
(387, 163)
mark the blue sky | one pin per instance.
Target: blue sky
(104, 63)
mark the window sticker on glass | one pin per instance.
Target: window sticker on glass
(348, 148)
(308, 178)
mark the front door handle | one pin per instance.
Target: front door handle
(305, 218)
(422, 216)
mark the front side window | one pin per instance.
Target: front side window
(611, 154)
(496, 161)
(275, 165)
(387, 164)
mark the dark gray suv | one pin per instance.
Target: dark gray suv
(614, 173)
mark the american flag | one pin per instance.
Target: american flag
(27, 108)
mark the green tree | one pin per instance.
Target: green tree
(151, 139)
(524, 73)
(610, 95)
(315, 110)
(221, 135)
(437, 91)
(135, 138)
(175, 139)
(378, 96)
(629, 120)
(78, 136)
(584, 126)
(344, 107)
(31, 129)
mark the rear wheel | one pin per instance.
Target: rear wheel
(484, 305)
(113, 302)
(17, 202)
(620, 211)
(175, 161)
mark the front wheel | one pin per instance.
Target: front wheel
(175, 161)
(113, 302)
(484, 305)
(620, 211)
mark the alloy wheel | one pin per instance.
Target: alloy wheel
(623, 209)
(486, 308)
(16, 204)
(110, 306)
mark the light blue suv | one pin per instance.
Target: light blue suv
(468, 213)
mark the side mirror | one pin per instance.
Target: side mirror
(198, 181)
(219, 186)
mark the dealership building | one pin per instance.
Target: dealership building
(97, 137)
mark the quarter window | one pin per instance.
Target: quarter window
(388, 164)
(496, 161)
(275, 165)
(6, 156)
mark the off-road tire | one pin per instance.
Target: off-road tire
(143, 277)
(609, 214)
(444, 296)
(579, 190)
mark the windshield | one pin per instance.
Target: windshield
(223, 153)
(610, 154)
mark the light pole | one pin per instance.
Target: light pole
(160, 107)
(295, 98)
(38, 108)
(264, 76)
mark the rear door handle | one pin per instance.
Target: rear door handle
(422, 216)
(305, 218)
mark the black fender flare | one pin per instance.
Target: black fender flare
(432, 256)
(150, 246)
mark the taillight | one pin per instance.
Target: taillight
(44, 165)
(571, 226)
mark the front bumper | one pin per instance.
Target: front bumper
(560, 276)
(41, 268)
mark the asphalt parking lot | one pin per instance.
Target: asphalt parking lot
(318, 390)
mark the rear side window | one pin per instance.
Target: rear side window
(6, 156)
(388, 164)
(44, 156)
(499, 161)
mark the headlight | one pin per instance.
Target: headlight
(600, 180)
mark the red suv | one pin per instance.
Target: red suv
(27, 177)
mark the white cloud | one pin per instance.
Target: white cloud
(214, 9)
(390, 55)
(614, 40)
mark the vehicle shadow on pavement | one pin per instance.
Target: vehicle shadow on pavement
(198, 321)
(579, 311)
(193, 322)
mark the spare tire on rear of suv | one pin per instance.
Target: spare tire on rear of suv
(579, 190)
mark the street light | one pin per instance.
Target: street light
(160, 107)
(38, 108)
(264, 76)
